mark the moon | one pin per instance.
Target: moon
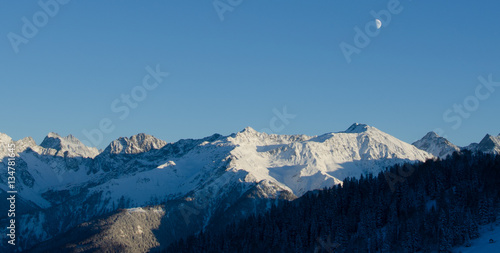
(378, 23)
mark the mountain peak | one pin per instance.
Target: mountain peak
(138, 143)
(490, 139)
(52, 140)
(4, 138)
(357, 128)
(248, 129)
(489, 144)
(247, 132)
(4, 141)
(140, 138)
(431, 135)
(53, 135)
(436, 145)
(140, 135)
(70, 144)
(26, 142)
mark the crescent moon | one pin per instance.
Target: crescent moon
(378, 23)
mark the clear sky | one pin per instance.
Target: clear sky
(227, 74)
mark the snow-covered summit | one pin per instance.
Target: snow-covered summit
(358, 128)
(249, 130)
(27, 142)
(436, 145)
(489, 144)
(135, 144)
(53, 135)
(302, 163)
(21, 145)
(5, 140)
(431, 135)
(57, 145)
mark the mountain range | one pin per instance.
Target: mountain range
(142, 193)
(441, 147)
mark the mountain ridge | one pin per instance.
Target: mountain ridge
(233, 175)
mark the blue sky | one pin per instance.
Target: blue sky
(227, 74)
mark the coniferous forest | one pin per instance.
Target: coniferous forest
(423, 207)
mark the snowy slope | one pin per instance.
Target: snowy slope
(436, 145)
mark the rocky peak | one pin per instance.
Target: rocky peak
(489, 144)
(431, 135)
(57, 145)
(357, 128)
(135, 144)
(436, 145)
(26, 142)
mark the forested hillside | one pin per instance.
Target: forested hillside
(422, 207)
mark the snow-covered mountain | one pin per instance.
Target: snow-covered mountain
(196, 183)
(139, 143)
(441, 147)
(436, 145)
(302, 163)
(489, 144)
(21, 145)
(67, 146)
